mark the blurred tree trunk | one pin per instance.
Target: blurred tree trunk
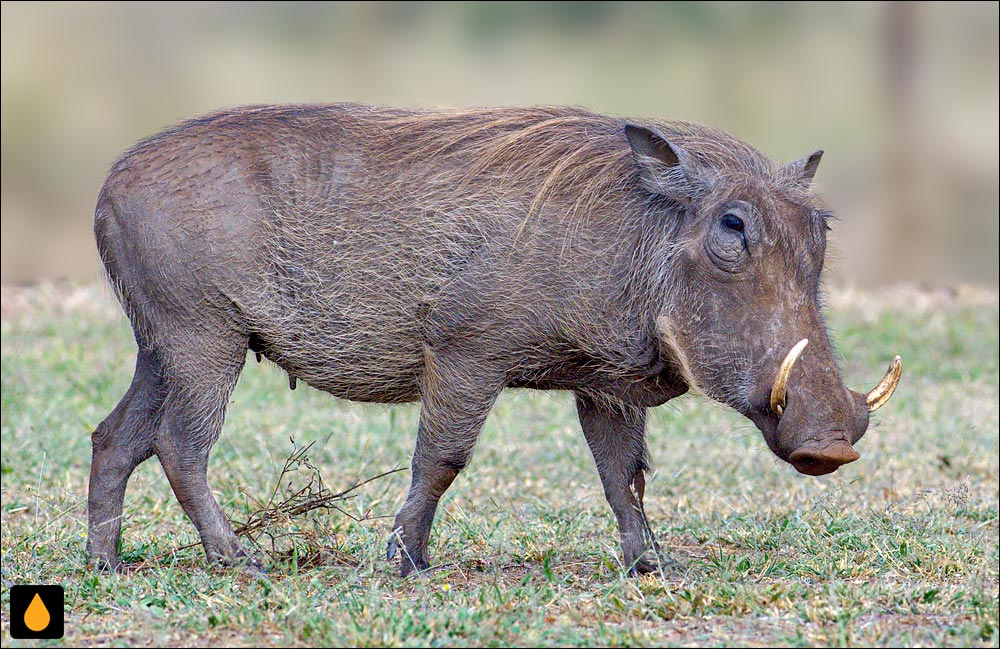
(903, 219)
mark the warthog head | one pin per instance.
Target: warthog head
(742, 323)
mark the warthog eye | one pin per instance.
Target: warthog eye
(732, 222)
(728, 237)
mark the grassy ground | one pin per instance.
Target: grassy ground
(898, 548)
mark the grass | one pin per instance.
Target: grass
(897, 549)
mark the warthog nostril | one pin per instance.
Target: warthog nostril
(823, 461)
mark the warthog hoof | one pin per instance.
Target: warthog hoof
(407, 564)
(657, 561)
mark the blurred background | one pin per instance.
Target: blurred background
(903, 98)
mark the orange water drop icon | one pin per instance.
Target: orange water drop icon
(37, 616)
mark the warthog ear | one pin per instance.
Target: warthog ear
(804, 169)
(664, 168)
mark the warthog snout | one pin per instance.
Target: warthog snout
(819, 402)
(811, 461)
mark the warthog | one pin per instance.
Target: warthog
(393, 256)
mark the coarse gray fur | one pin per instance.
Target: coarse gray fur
(391, 256)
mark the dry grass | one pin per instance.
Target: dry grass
(897, 549)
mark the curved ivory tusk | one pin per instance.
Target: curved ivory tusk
(781, 380)
(881, 392)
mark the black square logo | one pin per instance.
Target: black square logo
(36, 612)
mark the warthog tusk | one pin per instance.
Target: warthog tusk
(881, 392)
(781, 380)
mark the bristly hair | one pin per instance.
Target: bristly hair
(549, 151)
(568, 152)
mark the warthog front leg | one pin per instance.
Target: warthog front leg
(616, 435)
(457, 396)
